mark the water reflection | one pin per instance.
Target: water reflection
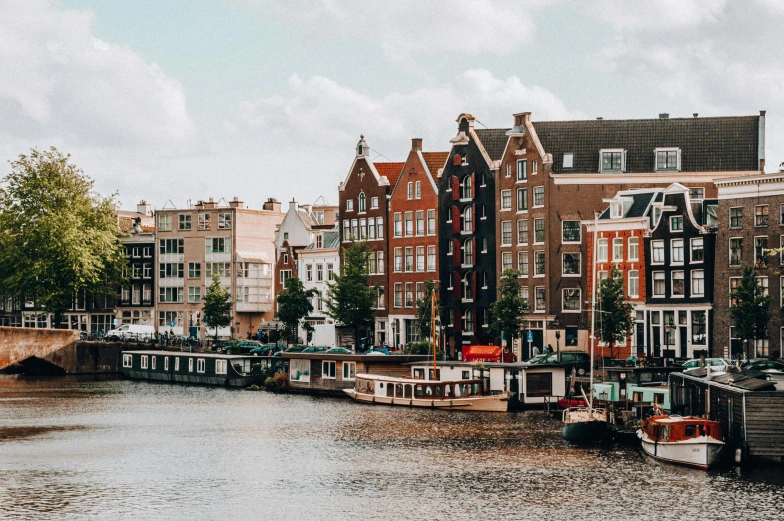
(117, 449)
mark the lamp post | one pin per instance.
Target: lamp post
(667, 329)
(557, 325)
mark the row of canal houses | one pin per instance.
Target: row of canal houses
(679, 206)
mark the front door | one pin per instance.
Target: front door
(683, 343)
(640, 337)
(656, 341)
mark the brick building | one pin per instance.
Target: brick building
(136, 304)
(363, 212)
(467, 233)
(751, 221)
(413, 239)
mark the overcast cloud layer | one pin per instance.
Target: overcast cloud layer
(155, 128)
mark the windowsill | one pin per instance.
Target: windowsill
(524, 244)
(506, 245)
(570, 275)
(571, 311)
(760, 225)
(570, 242)
(465, 200)
(522, 212)
(467, 333)
(466, 265)
(539, 276)
(667, 170)
(696, 262)
(538, 206)
(521, 181)
(484, 287)
(467, 300)
(464, 232)
(505, 210)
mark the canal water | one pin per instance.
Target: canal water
(116, 449)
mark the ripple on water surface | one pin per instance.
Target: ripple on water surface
(117, 449)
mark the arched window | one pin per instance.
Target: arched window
(468, 287)
(468, 252)
(362, 201)
(468, 222)
(466, 191)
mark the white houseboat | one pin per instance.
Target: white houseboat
(693, 441)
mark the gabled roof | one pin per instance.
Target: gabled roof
(494, 140)
(720, 144)
(639, 204)
(435, 161)
(389, 170)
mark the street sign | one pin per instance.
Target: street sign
(171, 324)
(114, 321)
(530, 336)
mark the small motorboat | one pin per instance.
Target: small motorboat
(567, 403)
(690, 440)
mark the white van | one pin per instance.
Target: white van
(131, 332)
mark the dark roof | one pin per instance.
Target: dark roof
(331, 240)
(640, 204)
(494, 140)
(707, 144)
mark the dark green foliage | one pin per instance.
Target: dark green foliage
(750, 308)
(294, 304)
(351, 298)
(217, 305)
(615, 321)
(507, 313)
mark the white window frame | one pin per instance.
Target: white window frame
(145, 362)
(672, 218)
(328, 369)
(568, 160)
(221, 367)
(541, 190)
(349, 371)
(127, 360)
(563, 264)
(602, 249)
(563, 300)
(621, 167)
(653, 283)
(636, 278)
(672, 284)
(657, 245)
(693, 279)
(506, 200)
(617, 249)
(667, 168)
(201, 365)
(633, 248)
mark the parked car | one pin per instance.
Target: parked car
(767, 366)
(314, 349)
(128, 332)
(339, 351)
(377, 349)
(580, 361)
(292, 349)
(265, 350)
(717, 364)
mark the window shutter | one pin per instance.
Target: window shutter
(474, 250)
(473, 218)
(473, 282)
(458, 321)
(457, 285)
(456, 253)
(623, 161)
(600, 161)
(455, 219)
(473, 185)
(455, 188)
(679, 160)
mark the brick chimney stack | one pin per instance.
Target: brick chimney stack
(416, 144)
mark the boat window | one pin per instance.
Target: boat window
(408, 391)
(690, 431)
(448, 391)
(428, 390)
(418, 391)
(177, 363)
(144, 361)
(466, 375)
(419, 373)
(370, 389)
(438, 391)
(665, 432)
(474, 388)
(638, 396)
(390, 390)
(399, 390)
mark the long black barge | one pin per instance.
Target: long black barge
(198, 368)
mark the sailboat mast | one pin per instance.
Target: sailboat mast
(433, 331)
(593, 300)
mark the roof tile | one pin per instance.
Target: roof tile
(389, 170)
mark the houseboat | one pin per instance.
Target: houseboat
(692, 441)
(198, 368)
(467, 395)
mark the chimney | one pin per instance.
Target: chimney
(144, 208)
(211, 204)
(271, 205)
(599, 118)
(236, 203)
(416, 144)
(761, 142)
(664, 115)
(293, 205)
(695, 115)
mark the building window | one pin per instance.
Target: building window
(398, 295)
(319, 272)
(539, 302)
(346, 230)
(398, 260)
(468, 252)
(224, 221)
(522, 170)
(431, 258)
(761, 215)
(217, 245)
(617, 249)
(698, 328)
(538, 230)
(522, 263)
(676, 251)
(408, 219)
(538, 196)
(185, 221)
(697, 250)
(634, 248)
(676, 223)
(379, 227)
(418, 190)
(736, 251)
(420, 258)
(539, 263)
(204, 221)
(371, 230)
(468, 287)
(522, 231)
(431, 222)
(571, 231)
(171, 246)
(349, 370)
(410, 193)
(350, 205)
(468, 321)
(468, 224)
(508, 170)
(398, 220)
(677, 284)
(328, 369)
(658, 284)
(170, 295)
(522, 199)
(171, 270)
(144, 362)
(612, 160)
(194, 294)
(633, 285)
(379, 265)
(763, 283)
(736, 217)
(571, 300)
(668, 159)
(127, 360)
(697, 283)
(506, 199)
(409, 252)
(506, 233)
(571, 264)
(373, 204)
(506, 261)
(525, 294)
(761, 252)
(164, 223)
(657, 252)
(362, 229)
(602, 255)
(568, 160)
(466, 191)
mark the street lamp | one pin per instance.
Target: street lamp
(667, 329)
(556, 325)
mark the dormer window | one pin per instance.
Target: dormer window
(362, 202)
(612, 160)
(568, 160)
(668, 159)
(616, 210)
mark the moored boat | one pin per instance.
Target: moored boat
(693, 441)
(586, 425)
(464, 395)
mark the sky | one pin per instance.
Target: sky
(175, 100)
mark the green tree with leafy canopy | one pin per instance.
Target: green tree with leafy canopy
(217, 305)
(750, 308)
(294, 304)
(351, 297)
(58, 237)
(615, 319)
(507, 314)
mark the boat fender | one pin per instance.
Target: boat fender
(738, 455)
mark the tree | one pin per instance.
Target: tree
(507, 313)
(58, 238)
(424, 311)
(615, 319)
(217, 306)
(293, 305)
(750, 308)
(351, 297)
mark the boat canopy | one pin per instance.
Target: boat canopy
(482, 353)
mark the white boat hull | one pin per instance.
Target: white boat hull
(490, 403)
(701, 452)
